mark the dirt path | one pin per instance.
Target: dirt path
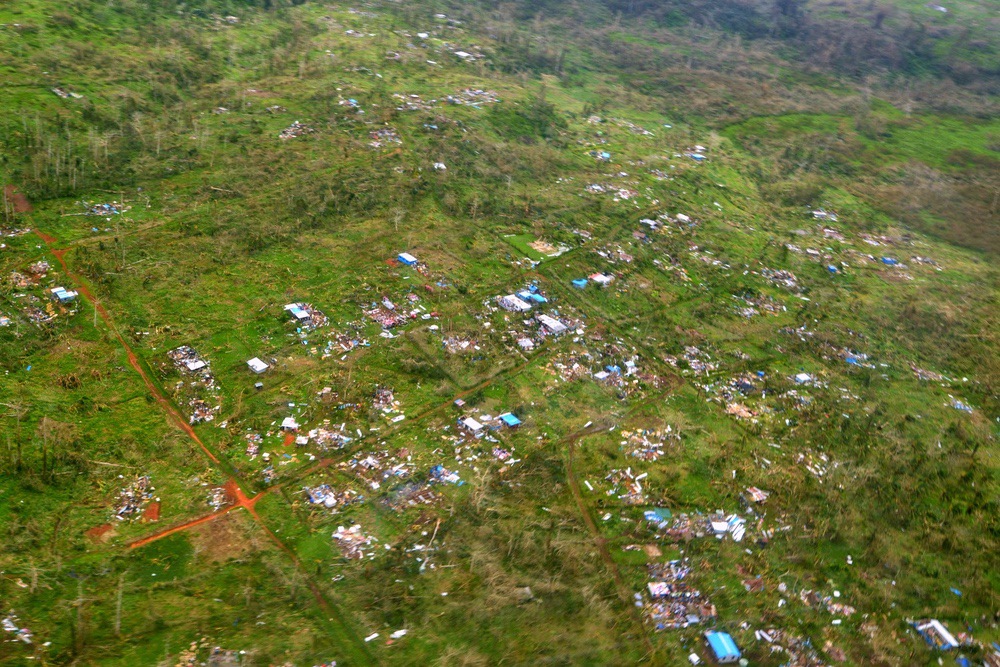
(335, 621)
(133, 359)
(17, 200)
(166, 532)
(599, 540)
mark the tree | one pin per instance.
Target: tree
(58, 439)
(18, 410)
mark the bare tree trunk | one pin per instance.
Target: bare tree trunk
(118, 604)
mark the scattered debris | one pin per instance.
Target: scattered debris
(133, 499)
(296, 129)
(10, 623)
(353, 542)
(673, 602)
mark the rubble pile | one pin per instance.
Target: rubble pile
(20, 281)
(383, 137)
(327, 438)
(376, 467)
(66, 94)
(39, 269)
(782, 277)
(568, 367)
(959, 405)
(617, 193)
(110, 208)
(456, 344)
(757, 304)
(38, 315)
(218, 498)
(648, 445)
(614, 254)
(133, 499)
(254, 441)
(296, 129)
(384, 401)
(798, 651)
(342, 342)
(632, 127)
(673, 603)
(10, 624)
(686, 527)
(353, 542)
(413, 103)
(473, 97)
(626, 486)
(201, 410)
(707, 257)
(330, 498)
(812, 598)
(11, 232)
(388, 318)
(697, 361)
(440, 474)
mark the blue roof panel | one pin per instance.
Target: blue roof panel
(722, 645)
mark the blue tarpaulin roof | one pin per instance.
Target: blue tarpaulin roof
(580, 282)
(510, 420)
(723, 646)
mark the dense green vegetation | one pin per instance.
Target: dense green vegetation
(846, 365)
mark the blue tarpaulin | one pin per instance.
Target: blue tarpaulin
(510, 420)
(723, 647)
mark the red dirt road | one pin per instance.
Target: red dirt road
(133, 360)
(18, 200)
(180, 527)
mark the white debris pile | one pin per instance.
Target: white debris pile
(353, 542)
(10, 624)
(296, 129)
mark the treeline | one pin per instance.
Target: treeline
(857, 40)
